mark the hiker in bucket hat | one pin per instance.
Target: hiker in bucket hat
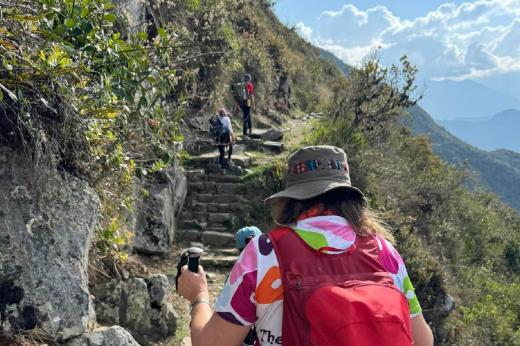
(328, 275)
(245, 235)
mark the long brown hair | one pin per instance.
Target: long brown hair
(344, 202)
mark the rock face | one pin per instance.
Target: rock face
(139, 305)
(156, 219)
(134, 11)
(113, 336)
(46, 226)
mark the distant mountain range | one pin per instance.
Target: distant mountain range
(498, 170)
(507, 83)
(450, 100)
(344, 68)
(502, 131)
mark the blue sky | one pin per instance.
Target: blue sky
(457, 40)
(294, 11)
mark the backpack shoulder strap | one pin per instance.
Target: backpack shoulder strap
(286, 244)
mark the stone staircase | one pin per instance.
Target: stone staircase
(214, 198)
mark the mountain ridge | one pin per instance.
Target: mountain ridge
(500, 131)
(450, 99)
(493, 168)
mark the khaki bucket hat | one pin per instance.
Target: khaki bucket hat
(315, 170)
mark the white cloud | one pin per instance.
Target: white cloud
(304, 31)
(473, 39)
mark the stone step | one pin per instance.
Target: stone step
(196, 206)
(271, 146)
(229, 178)
(200, 216)
(192, 205)
(200, 175)
(229, 188)
(190, 214)
(195, 174)
(192, 224)
(258, 133)
(220, 228)
(202, 187)
(253, 143)
(185, 215)
(211, 220)
(219, 262)
(218, 239)
(218, 207)
(203, 197)
(188, 235)
(220, 217)
(227, 198)
(211, 187)
(204, 160)
(223, 251)
(230, 170)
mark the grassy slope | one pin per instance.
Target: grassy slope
(497, 170)
(455, 242)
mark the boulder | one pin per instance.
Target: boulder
(47, 221)
(140, 306)
(135, 307)
(107, 302)
(157, 213)
(157, 288)
(274, 135)
(164, 321)
(113, 336)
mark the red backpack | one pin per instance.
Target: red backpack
(338, 299)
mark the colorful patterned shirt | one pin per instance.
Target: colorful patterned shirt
(253, 293)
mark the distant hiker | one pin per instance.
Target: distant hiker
(329, 276)
(244, 236)
(244, 95)
(222, 132)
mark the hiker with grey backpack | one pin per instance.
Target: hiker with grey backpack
(221, 131)
(244, 95)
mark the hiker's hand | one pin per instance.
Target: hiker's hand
(193, 285)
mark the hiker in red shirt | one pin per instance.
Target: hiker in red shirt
(329, 276)
(247, 105)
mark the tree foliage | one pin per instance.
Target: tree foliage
(456, 243)
(83, 92)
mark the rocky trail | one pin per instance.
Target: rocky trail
(107, 300)
(210, 216)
